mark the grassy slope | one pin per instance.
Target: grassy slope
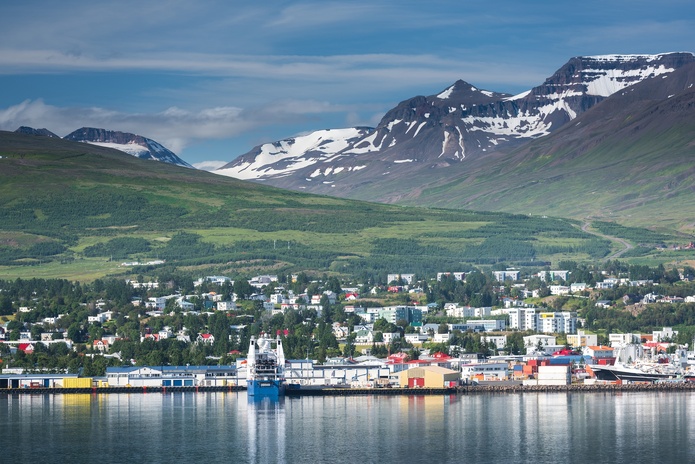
(83, 195)
(638, 172)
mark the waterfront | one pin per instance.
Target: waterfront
(540, 427)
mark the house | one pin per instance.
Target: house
(559, 290)
(205, 338)
(100, 345)
(364, 337)
(28, 348)
(351, 296)
(599, 352)
(339, 331)
(578, 287)
(226, 306)
(185, 305)
(391, 336)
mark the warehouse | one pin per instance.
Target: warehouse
(428, 377)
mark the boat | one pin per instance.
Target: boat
(656, 369)
(265, 368)
(638, 372)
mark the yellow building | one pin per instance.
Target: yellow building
(428, 377)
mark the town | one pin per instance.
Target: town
(546, 327)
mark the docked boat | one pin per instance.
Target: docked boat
(639, 372)
(265, 368)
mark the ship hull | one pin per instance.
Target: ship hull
(612, 373)
(265, 388)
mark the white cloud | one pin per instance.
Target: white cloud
(209, 165)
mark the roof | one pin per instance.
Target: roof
(600, 348)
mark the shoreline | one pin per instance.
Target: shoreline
(461, 390)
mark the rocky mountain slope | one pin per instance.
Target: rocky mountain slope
(430, 141)
(135, 145)
(132, 144)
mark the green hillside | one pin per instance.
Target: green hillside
(632, 166)
(78, 211)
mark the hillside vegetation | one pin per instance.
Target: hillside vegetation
(77, 211)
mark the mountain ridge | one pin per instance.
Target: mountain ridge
(133, 144)
(463, 134)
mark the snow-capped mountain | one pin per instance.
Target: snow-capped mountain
(291, 155)
(457, 124)
(132, 144)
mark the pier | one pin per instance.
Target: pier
(328, 391)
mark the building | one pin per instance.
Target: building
(665, 334)
(616, 339)
(226, 306)
(428, 377)
(509, 274)
(582, 339)
(523, 319)
(557, 322)
(407, 278)
(499, 341)
(393, 314)
(484, 371)
(456, 275)
(553, 275)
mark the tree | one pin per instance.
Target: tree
(242, 288)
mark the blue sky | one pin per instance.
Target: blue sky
(212, 79)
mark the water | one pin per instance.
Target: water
(224, 427)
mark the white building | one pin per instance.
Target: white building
(500, 341)
(559, 322)
(665, 334)
(554, 275)
(509, 274)
(484, 371)
(226, 306)
(559, 290)
(407, 278)
(523, 319)
(617, 339)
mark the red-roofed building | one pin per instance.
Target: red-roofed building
(28, 348)
(205, 338)
(101, 345)
(397, 358)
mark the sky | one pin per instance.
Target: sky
(212, 79)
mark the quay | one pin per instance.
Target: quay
(459, 390)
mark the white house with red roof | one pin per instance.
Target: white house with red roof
(205, 338)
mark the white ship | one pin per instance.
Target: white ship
(266, 368)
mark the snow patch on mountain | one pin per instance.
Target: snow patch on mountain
(131, 148)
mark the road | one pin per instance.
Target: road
(627, 246)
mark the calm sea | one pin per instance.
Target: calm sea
(225, 427)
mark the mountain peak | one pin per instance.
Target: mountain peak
(40, 132)
(133, 144)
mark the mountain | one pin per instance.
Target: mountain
(132, 144)
(447, 138)
(629, 158)
(32, 131)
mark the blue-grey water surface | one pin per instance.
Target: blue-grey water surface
(225, 427)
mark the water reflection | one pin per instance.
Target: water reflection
(266, 421)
